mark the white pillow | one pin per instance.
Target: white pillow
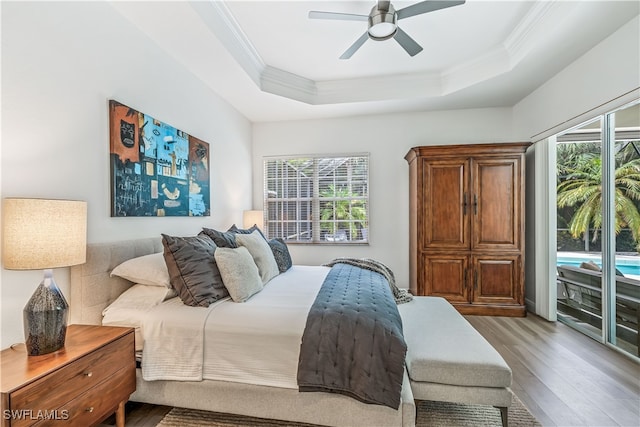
(261, 253)
(131, 306)
(147, 270)
(239, 272)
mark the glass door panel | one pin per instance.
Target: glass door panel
(624, 312)
(579, 221)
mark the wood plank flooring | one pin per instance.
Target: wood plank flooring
(562, 376)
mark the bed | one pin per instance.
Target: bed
(93, 289)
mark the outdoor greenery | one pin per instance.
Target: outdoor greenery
(341, 211)
(580, 189)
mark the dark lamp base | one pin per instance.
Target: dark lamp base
(45, 318)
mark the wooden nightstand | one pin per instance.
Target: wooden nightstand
(79, 385)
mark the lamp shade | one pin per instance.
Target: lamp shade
(43, 234)
(250, 218)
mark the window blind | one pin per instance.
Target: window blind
(317, 199)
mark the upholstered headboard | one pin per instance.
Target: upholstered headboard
(92, 288)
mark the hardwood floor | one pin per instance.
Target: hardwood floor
(562, 376)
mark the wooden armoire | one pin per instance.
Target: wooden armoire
(466, 205)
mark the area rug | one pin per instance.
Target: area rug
(430, 414)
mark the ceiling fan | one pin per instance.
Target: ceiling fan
(383, 22)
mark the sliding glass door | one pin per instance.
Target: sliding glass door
(579, 220)
(623, 129)
(598, 220)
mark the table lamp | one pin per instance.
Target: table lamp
(251, 218)
(44, 234)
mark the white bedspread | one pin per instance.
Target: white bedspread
(255, 342)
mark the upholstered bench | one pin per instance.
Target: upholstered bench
(448, 360)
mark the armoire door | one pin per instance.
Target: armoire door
(446, 276)
(496, 203)
(496, 279)
(446, 204)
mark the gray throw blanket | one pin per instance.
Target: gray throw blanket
(353, 343)
(400, 295)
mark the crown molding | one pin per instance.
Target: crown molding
(524, 35)
(289, 85)
(218, 18)
(491, 64)
(397, 86)
(502, 58)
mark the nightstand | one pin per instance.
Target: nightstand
(78, 385)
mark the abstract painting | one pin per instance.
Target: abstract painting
(156, 169)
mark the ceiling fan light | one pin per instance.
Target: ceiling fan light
(383, 24)
(382, 30)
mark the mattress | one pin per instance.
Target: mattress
(255, 342)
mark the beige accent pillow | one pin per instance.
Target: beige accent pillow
(147, 270)
(239, 272)
(261, 253)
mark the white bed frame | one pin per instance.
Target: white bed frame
(92, 289)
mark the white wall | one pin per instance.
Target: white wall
(608, 71)
(387, 138)
(61, 63)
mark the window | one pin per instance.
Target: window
(317, 199)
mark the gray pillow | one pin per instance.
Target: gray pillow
(222, 239)
(239, 272)
(281, 254)
(234, 229)
(261, 253)
(192, 269)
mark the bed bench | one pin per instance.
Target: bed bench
(449, 361)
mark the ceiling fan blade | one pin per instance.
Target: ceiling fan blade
(427, 6)
(407, 43)
(314, 14)
(352, 49)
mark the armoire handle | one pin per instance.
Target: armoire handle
(464, 204)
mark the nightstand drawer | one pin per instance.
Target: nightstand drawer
(95, 405)
(59, 387)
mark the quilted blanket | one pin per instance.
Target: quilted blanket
(401, 295)
(353, 343)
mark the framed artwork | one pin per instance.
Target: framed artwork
(156, 169)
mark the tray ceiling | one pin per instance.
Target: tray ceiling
(271, 62)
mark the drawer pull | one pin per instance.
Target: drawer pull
(89, 409)
(88, 374)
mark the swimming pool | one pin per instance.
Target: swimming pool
(628, 265)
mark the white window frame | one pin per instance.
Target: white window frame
(307, 225)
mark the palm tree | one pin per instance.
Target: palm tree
(583, 188)
(343, 210)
